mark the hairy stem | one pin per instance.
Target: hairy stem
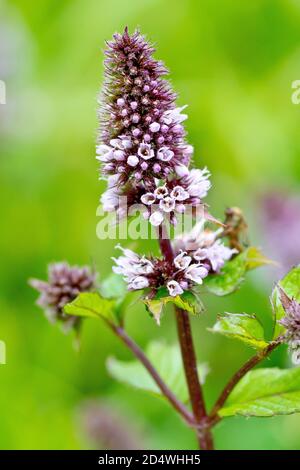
(252, 362)
(189, 360)
(139, 354)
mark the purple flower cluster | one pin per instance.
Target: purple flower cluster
(291, 322)
(142, 135)
(140, 272)
(196, 255)
(64, 284)
(205, 247)
(142, 139)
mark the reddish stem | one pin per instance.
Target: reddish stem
(189, 359)
(192, 378)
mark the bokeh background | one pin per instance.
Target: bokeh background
(233, 63)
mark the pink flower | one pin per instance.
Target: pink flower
(148, 199)
(182, 261)
(145, 151)
(179, 193)
(132, 160)
(154, 127)
(165, 154)
(196, 273)
(174, 288)
(167, 204)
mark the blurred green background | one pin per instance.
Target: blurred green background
(233, 63)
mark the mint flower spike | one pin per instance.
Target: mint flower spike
(145, 157)
(141, 133)
(291, 322)
(64, 284)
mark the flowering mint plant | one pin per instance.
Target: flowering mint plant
(145, 158)
(142, 145)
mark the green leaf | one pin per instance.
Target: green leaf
(186, 301)
(254, 258)
(194, 301)
(234, 271)
(113, 287)
(291, 286)
(246, 328)
(91, 305)
(167, 361)
(265, 392)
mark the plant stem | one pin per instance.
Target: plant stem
(252, 362)
(139, 354)
(192, 378)
(189, 359)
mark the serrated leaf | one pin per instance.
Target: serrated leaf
(91, 305)
(186, 301)
(265, 392)
(167, 361)
(241, 326)
(234, 271)
(291, 286)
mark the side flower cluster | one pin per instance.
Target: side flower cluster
(64, 284)
(140, 272)
(142, 148)
(291, 322)
(205, 246)
(188, 269)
